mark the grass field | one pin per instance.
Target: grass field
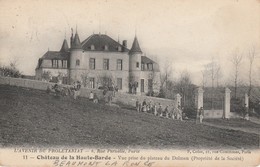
(35, 118)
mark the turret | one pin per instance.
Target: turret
(64, 47)
(76, 42)
(135, 56)
(76, 58)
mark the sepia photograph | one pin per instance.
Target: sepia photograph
(129, 83)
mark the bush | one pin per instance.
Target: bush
(237, 106)
(190, 112)
(10, 72)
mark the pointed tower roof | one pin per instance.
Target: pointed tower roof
(64, 47)
(135, 47)
(76, 42)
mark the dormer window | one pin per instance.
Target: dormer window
(119, 48)
(150, 66)
(92, 47)
(55, 63)
(142, 67)
(105, 47)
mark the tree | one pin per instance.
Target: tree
(185, 87)
(46, 76)
(84, 77)
(204, 78)
(213, 71)
(236, 61)
(165, 77)
(106, 80)
(11, 70)
(251, 57)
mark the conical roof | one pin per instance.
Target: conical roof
(64, 47)
(76, 42)
(135, 47)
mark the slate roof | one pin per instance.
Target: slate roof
(135, 47)
(76, 42)
(64, 47)
(49, 55)
(146, 60)
(100, 41)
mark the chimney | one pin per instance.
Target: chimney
(124, 44)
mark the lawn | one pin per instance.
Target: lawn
(35, 118)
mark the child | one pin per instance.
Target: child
(91, 96)
(95, 98)
(160, 110)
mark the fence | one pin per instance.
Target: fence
(124, 98)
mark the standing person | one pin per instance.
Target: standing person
(95, 98)
(171, 112)
(91, 96)
(140, 107)
(144, 106)
(137, 105)
(160, 110)
(246, 113)
(155, 109)
(201, 113)
(75, 92)
(165, 112)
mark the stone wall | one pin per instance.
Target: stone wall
(124, 98)
(213, 114)
(131, 99)
(218, 114)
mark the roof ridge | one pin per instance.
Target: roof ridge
(86, 40)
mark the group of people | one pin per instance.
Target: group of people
(157, 110)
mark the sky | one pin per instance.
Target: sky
(188, 34)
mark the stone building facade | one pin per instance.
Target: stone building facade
(100, 61)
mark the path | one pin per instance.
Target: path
(247, 130)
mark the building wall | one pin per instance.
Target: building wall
(84, 69)
(155, 76)
(124, 98)
(76, 73)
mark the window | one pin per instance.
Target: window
(119, 83)
(119, 64)
(137, 64)
(150, 66)
(92, 47)
(92, 83)
(55, 63)
(119, 48)
(92, 63)
(106, 64)
(105, 47)
(64, 63)
(77, 62)
(142, 85)
(142, 66)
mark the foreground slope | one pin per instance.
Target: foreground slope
(34, 118)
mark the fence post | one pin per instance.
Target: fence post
(226, 113)
(246, 100)
(177, 100)
(200, 98)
